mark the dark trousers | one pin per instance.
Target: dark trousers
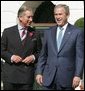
(10, 86)
(56, 88)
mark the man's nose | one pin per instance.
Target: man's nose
(30, 18)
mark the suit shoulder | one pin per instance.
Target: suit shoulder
(52, 27)
(75, 28)
(10, 28)
(8, 31)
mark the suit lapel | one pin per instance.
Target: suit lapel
(27, 42)
(53, 32)
(65, 37)
(19, 41)
(17, 36)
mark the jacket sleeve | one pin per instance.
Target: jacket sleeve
(79, 54)
(43, 57)
(5, 54)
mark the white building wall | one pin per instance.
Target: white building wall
(9, 11)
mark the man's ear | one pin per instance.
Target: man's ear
(20, 18)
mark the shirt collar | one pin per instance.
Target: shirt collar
(20, 27)
(65, 26)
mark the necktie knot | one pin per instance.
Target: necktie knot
(61, 28)
(23, 33)
(24, 28)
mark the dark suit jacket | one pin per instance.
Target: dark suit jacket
(11, 45)
(65, 63)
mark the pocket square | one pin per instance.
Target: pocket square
(34, 39)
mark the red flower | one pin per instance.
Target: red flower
(31, 34)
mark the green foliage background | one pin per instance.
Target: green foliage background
(80, 23)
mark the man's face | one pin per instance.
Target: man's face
(26, 18)
(60, 16)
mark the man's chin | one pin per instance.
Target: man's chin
(28, 25)
(59, 24)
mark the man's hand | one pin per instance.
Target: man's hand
(39, 79)
(28, 59)
(16, 58)
(76, 81)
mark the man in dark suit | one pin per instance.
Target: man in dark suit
(20, 48)
(60, 66)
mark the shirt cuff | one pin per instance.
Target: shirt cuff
(33, 58)
(11, 59)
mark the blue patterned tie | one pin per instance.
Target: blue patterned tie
(60, 36)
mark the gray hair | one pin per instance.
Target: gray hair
(64, 6)
(22, 9)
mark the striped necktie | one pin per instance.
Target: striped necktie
(60, 37)
(23, 34)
